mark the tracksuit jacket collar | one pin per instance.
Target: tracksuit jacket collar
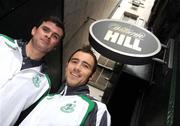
(66, 90)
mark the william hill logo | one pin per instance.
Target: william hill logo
(124, 36)
(123, 42)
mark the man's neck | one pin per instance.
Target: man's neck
(33, 53)
(83, 89)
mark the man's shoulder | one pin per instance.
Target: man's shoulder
(9, 41)
(99, 104)
(6, 38)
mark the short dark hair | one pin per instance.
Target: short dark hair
(56, 20)
(86, 49)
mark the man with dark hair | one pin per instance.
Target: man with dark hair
(22, 78)
(73, 106)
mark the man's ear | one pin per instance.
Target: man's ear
(66, 66)
(91, 76)
(33, 30)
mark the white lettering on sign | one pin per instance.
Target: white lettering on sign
(123, 40)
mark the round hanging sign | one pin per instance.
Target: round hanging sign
(123, 42)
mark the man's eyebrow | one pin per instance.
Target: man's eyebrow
(82, 62)
(74, 58)
(87, 64)
(57, 34)
(44, 26)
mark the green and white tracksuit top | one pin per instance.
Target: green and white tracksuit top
(99, 116)
(19, 89)
(71, 109)
(59, 110)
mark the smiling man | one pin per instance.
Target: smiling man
(72, 106)
(78, 70)
(23, 79)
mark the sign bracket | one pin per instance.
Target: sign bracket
(168, 54)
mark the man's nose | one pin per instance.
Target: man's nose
(78, 67)
(48, 35)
